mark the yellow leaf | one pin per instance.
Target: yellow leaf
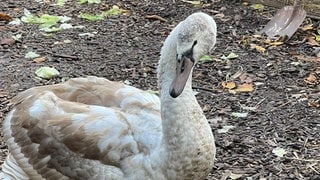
(258, 48)
(257, 6)
(275, 43)
(228, 85)
(245, 87)
(39, 59)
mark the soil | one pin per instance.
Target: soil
(283, 108)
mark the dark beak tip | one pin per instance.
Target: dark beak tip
(174, 94)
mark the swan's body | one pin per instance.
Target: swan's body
(92, 128)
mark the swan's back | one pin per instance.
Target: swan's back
(90, 121)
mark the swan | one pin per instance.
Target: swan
(93, 128)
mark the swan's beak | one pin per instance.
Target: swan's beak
(184, 67)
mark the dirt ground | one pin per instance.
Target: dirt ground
(283, 107)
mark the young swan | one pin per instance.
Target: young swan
(92, 128)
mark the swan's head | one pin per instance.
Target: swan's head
(196, 36)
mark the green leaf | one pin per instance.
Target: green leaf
(90, 17)
(31, 55)
(205, 58)
(115, 10)
(232, 56)
(153, 92)
(47, 72)
(60, 2)
(318, 31)
(46, 22)
(317, 37)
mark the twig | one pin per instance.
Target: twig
(156, 17)
(275, 108)
(65, 56)
(204, 89)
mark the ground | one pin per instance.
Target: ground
(281, 111)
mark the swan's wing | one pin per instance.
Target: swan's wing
(50, 128)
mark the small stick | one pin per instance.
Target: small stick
(156, 17)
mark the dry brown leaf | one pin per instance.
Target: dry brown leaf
(5, 17)
(308, 58)
(228, 85)
(312, 41)
(7, 41)
(307, 27)
(245, 87)
(275, 43)
(245, 78)
(313, 104)
(220, 15)
(258, 48)
(311, 79)
(39, 59)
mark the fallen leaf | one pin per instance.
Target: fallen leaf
(65, 26)
(245, 78)
(153, 92)
(230, 56)
(7, 41)
(115, 10)
(245, 87)
(5, 17)
(312, 79)
(235, 176)
(280, 152)
(313, 104)
(275, 43)
(60, 2)
(219, 15)
(39, 59)
(307, 27)
(225, 129)
(206, 58)
(257, 7)
(257, 48)
(91, 17)
(31, 55)
(228, 85)
(15, 22)
(47, 72)
(312, 41)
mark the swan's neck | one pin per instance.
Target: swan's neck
(187, 136)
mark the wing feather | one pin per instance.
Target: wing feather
(88, 120)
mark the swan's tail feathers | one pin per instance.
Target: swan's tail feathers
(11, 170)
